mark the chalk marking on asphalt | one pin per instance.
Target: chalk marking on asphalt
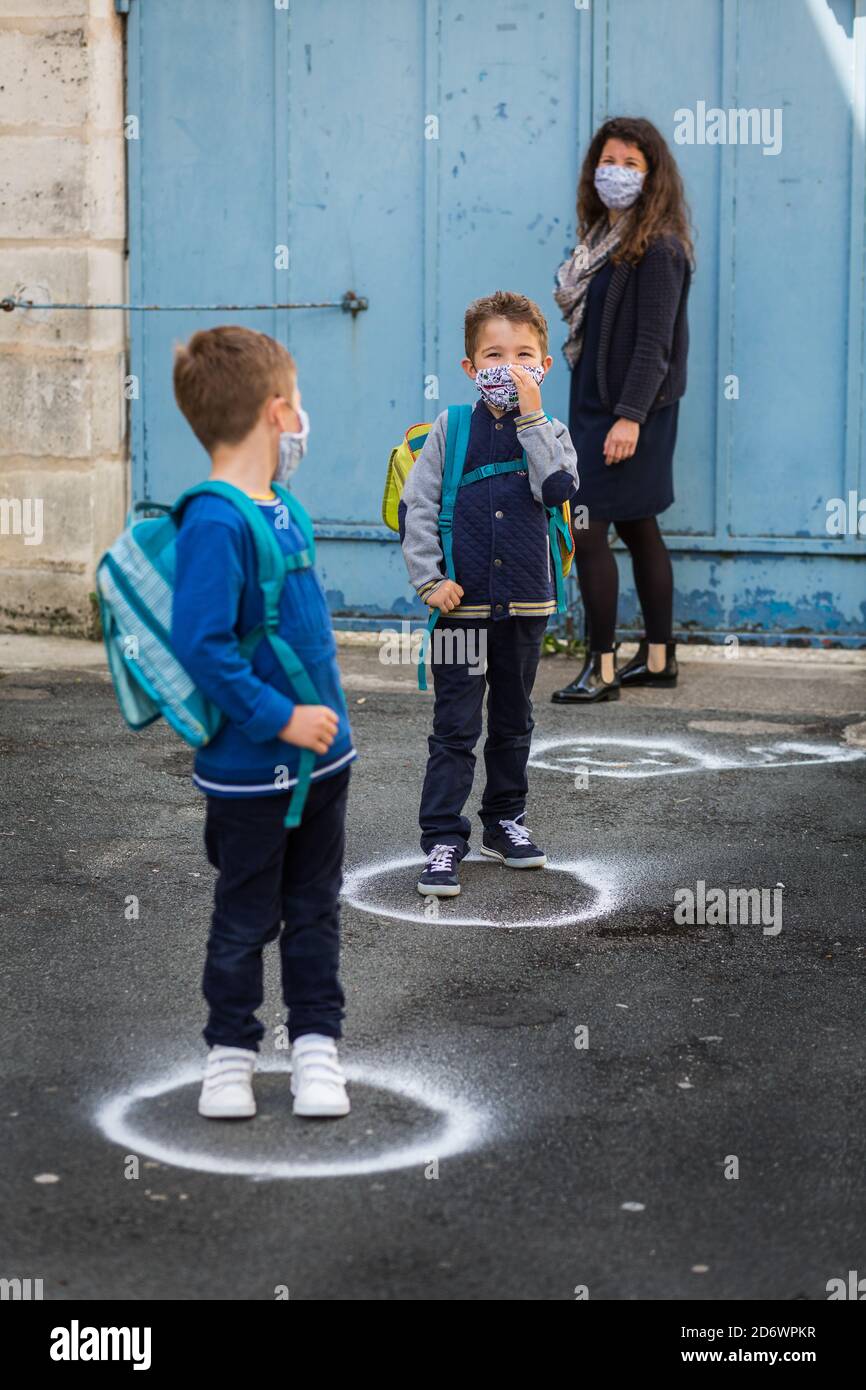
(652, 757)
(589, 872)
(465, 1127)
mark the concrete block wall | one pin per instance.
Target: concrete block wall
(62, 238)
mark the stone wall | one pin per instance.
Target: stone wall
(63, 460)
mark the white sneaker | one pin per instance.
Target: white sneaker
(318, 1083)
(227, 1091)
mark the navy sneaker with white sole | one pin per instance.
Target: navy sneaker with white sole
(510, 843)
(439, 876)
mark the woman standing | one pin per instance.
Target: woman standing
(623, 294)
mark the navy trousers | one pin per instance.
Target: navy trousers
(275, 883)
(513, 649)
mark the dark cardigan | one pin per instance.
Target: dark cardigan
(645, 333)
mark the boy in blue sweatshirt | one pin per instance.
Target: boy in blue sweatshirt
(503, 593)
(238, 390)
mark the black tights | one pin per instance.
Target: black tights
(599, 580)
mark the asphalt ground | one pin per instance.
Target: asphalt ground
(708, 1141)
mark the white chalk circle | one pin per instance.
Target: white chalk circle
(624, 756)
(359, 892)
(461, 1128)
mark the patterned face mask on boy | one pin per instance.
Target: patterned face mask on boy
(618, 186)
(497, 386)
(292, 449)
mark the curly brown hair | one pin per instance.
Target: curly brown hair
(660, 210)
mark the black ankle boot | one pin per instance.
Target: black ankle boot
(637, 672)
(588, 687)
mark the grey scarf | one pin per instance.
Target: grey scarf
(575, 276)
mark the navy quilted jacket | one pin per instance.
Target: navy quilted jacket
(644, 345)
(500, 544)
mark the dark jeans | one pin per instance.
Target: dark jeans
(513, 651)
(271, 877)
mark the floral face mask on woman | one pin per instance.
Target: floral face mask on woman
(497, 385)
(617, 186)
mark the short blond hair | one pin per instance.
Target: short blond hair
(222, 378)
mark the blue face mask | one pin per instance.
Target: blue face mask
(617, 186)
(292, 449)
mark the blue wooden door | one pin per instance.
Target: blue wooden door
(423, 152)
(772, 427)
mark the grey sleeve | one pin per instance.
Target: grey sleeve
(548, 450)
(422, 497)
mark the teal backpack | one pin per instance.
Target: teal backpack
(453, 479)
(135, 583)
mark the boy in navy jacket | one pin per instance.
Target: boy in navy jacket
(503, 594)
(238, 391)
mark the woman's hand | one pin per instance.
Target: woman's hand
(621, 441)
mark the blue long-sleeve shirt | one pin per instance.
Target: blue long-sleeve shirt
(217, 601)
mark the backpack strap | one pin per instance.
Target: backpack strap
(492, 470)
(273, 566)
(456, 443)
(301, 518)
(557, 526)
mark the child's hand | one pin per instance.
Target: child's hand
(311, 726)
(445, 596)
(528, 390)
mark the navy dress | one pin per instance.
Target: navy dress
(637, 487)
